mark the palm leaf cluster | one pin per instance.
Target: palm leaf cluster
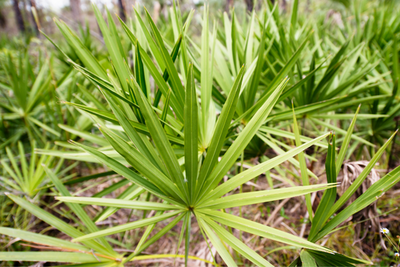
(177, 115)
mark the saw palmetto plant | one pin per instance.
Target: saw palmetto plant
(180, 120)
(25, 177)
(23, 101)
(30, 89)
(189, 185)
(326, 78)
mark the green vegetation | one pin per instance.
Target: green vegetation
(195, 122)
